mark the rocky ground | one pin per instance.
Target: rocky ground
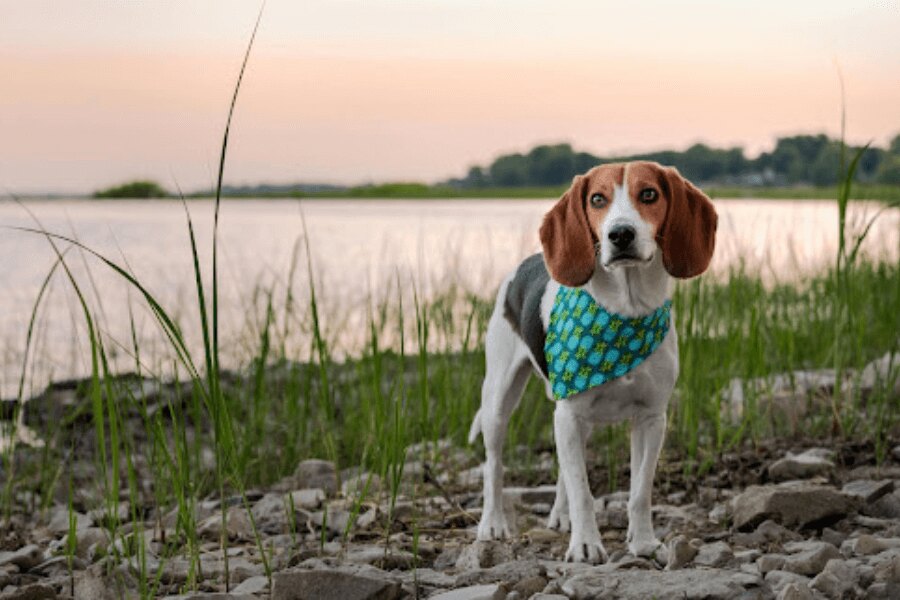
(779, 520)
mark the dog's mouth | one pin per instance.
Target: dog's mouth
(627, 259)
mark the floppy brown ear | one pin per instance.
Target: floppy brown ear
(688, 234)
(568, 239)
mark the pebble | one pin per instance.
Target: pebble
(809, 463)
(837, 579)
(716, 554)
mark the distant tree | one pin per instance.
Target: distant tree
(133, 189)
(826, 168)
(476, 177)
(550, 165)
(889, 170)
(894, 146)
(510, 169)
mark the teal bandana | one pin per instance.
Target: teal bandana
(587, 345)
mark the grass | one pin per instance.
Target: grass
(414, 381)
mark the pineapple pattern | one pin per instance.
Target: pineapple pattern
(586, 345)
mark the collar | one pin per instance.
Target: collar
(586, 345)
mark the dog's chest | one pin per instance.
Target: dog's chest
(644, 390)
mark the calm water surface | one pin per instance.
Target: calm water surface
(359, 249)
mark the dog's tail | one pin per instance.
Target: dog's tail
(475, 429)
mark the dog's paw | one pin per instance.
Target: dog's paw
(559, 519)
(493, 526)
(587, 550)
(652, 549)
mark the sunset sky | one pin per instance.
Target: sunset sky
(349, 91)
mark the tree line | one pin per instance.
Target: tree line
(795, 160)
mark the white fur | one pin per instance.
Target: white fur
(640, 396)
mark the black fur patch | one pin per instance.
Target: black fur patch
(522, 307)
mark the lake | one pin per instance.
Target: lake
(359, 250)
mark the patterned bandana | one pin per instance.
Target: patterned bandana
(587, 345)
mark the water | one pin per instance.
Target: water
(359, 249)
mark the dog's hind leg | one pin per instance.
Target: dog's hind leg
(508, 369)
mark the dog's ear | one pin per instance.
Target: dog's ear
(688, 233)
(568, 239)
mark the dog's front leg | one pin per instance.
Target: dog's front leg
(647, 435)
(585, 544)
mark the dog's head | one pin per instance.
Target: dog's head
(620, 215)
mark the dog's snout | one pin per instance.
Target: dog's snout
(621, 236)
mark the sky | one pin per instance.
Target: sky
(93, 93)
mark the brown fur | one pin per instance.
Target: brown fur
(683, 217)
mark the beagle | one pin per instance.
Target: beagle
(591, 317)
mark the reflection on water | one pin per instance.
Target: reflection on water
(360, 249)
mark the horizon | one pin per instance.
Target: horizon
(352, 93)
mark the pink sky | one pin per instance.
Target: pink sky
(349, 91)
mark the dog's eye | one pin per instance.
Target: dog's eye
(649, 195)
(598, 200)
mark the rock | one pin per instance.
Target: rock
(508, 572)
(252, 585)
(836, 580)
(864, 545)
(528, 587)
(89, 542)
(879, 372)
(35, 591)
(883, 591)
(340, 514)
(91, 586)
(779, 579)
(888, 570)
(795, 591)
(59, 521)
(530, 495)
(790, 504)
(238, 525)
(376, 555)
(315, 473)
(361, 483)
(483, 554)
(868, 490)
(475, 592)
(809, 463)
(309, 499)
(833, 537)
(707, 584)
(770, 562)
(886, 507)
(331, 585)
(681, 552)
(809, 557)
(719, 513)
(25, 558)
(716, 554)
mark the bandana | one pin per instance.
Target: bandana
(586, 345)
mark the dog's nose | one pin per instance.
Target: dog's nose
(621, 236)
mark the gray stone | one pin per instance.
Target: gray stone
(864, 545)
(868, 490)
(483, 554)
(89, 541)
(91, 586)
(707, 584)
(888, 570)
(837, 579)
(810, 557)
(34, 591)
(770, 562)
(24, 558)
(509, 572)
(886, 507)
(833, 537)
(530, 495)
(791, 504)
(361, 483)
(779, 579)
(548, 597)
(681, 553)
(331, 585)
(475, 592)
(59, 520)
(795, 591)
(238, 525)
(883, 591)
(252, 585)
(315, 473)
(376, 555)
(716, 554)
(809, 463)
(309, 499)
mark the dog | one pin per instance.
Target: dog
(612, 246)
